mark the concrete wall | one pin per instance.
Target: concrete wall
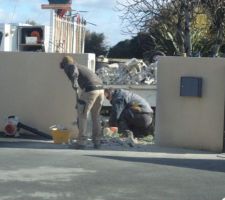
(190, 122)
(34, 88)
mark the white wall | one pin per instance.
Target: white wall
(7, 38)
(191, 122)
(34, 88)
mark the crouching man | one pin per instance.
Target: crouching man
(129, 112)
(90, 100)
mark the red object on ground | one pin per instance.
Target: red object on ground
(10, 129)
(114, 129)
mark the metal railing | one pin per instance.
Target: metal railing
(68, 34)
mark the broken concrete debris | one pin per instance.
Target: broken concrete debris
(113, 139)
(132, 72)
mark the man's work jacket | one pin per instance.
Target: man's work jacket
(123, 99)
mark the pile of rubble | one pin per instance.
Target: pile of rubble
(132, 72)
(112, 140)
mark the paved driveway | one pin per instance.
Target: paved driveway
(43, 171)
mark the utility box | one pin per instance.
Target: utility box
(191, 86)
(24, 37)
(33, 38)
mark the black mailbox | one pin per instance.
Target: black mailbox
(191, 86)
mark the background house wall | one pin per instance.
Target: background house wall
(190, 122)
(34, 88)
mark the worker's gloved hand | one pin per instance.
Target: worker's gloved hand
(76, 89)
(75, 85)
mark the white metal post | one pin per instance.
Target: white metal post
(52, 31)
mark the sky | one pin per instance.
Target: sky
(100, 12)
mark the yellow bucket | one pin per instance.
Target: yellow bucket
(61, 136)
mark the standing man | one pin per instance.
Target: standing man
(90, 100)
(130, 112)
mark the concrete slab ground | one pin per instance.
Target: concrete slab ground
(41, 170)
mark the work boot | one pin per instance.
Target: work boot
(126, 133)
(77, 146)
(80, 146)
(97, 145)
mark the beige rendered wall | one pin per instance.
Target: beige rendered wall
(190, 122)
(34, 88)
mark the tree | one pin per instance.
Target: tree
(31, 22)
(171, 24)
(133, 48)
(120, 50)
(95, 43)
(175, 16)
(215, 9)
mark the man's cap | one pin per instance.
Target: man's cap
(68, 60)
